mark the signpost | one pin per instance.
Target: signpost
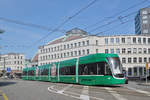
(8, 69)
(147, 67)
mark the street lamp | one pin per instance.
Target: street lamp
(1, 32)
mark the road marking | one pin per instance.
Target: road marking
(115, 94)
(84, 95)
(4, 95)
(61, 91)
(138, 90)
(70, 94)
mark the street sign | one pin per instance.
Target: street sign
(8, 70)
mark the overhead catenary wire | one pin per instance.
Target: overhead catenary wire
(29, 24)
(113, 21)
(67, 20)
(116, 14)
(114, 27)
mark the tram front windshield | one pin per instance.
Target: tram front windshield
(115, 65)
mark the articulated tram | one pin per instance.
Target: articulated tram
(94, 69)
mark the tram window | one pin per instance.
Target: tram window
(94, 69)
(44, 71)
(68, 70)
(31, 73)
(107, 70)
(24, 73)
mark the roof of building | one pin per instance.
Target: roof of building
(73, 34)
(35, 58)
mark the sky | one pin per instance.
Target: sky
(97, 18)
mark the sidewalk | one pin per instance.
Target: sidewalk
(144, 84)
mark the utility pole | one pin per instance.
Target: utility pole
(4, 67)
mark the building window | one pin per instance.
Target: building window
(96, 50)
(55, 56)
(79, 44)
(145, 31)
(134, 60)
(148, 40)
(71, 45)
(129, 40)
(83, 52)
(148, 50)
(135, 71)
(134, 50)
(68, 46)
(145, 50)
(106, 51)
(144, 12)
(123, 50)
(87, 42)
(129, 60)
(106, 40)
(140, 59)
(117, 40)
(134, 40)
(79, 52)
(129, 50)
(145, 59)
(64, 54)
(145, 21)
(112, 40)
(61, 55)
(58, 56)
(144, 17)
(123, 40)
(96, 42)
(130, 71)
(75, 44)
(140, 50)
(52, 49)
(111, 50)
(88, 51)
(71, 54)
(139, 40)
(123, 60)
(68, 54)
(144, 40)
(117, 50)
(64, 46)
(83, 43)
(75, 52)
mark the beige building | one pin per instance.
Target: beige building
(133, 50)
(14, 61)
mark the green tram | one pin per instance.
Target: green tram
(94, 69)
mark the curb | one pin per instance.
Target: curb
(144, 84)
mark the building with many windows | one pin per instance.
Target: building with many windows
(133, 50)
(12, 61)
(142, 21)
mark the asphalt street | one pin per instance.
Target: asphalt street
(36, 90)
